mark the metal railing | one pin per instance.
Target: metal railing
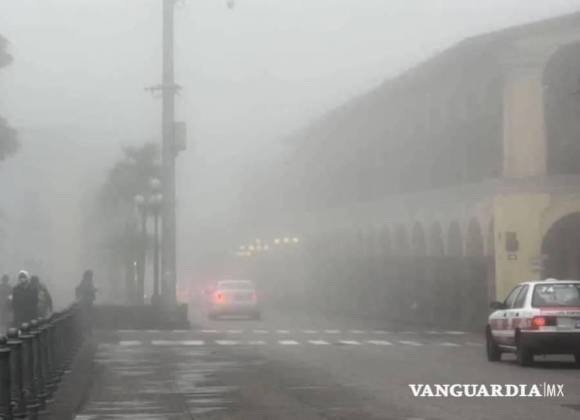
(33, 360)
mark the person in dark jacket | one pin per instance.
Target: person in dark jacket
(5, 297)
(86, 293)
(24, 300)
(44, 307)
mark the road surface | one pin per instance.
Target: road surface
(296, 366)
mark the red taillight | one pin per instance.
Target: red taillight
(538, 321)
(254, 297)
(219, 297)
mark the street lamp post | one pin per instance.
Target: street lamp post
(141, 205)
(156, 203)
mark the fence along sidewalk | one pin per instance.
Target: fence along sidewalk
(33, 361)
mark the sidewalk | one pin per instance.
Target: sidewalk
(154, 382)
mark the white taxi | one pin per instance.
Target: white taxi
(537, 317)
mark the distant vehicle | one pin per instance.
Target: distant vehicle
(537, 317)
(233, 297)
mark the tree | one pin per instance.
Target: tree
(114, 220)
(8, 137)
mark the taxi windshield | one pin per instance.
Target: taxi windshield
(556, 295)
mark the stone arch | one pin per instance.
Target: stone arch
(561, 110)
(401, 241)
(454, 240)
(418, 242)
(561, 248)
(436, 244)
(474, 243)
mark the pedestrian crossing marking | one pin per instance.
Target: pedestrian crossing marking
(357, 331)
(310, 332)
(380, 342)
(283, 331)
(234, 331)
(380, 332)
(318, 342)
(410, 343)
(130, 343)
(288, 342)
(209, 331)
(226, 342)
(332, 331)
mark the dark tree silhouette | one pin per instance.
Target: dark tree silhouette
(8, 138)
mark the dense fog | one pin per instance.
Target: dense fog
(252, 74)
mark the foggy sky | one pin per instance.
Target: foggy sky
(251, 75)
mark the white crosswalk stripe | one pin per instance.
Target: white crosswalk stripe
(226, 342)
(288, 342)
(310, 331)
(283, 331)
(332, 331)
(256, 342)
(357, 331)
(178, 342)
(235, 331)
(209, 331)
(448, 344)
(380, 332)
(455, 332)
(350, 342)
(130, 343)
(410, 343)
(380, 342)
(318, 342)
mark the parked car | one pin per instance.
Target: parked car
(537, 317)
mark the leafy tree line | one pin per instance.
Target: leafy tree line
(8, 138)
(115, 222)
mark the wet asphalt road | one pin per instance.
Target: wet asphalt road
(299, 366)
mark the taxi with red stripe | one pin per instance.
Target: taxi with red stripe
(537, 317)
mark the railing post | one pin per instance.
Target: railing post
(5, 390)
(37, 366)
(29, 383)
(51, 371)
(16, 374)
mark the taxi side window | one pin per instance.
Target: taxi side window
(509, 301)
(521, 299)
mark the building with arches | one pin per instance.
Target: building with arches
(444, 186)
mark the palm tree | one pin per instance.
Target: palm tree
(115, 218)
(8, 138)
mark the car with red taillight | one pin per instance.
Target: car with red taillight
(234, 298)
(537, 317)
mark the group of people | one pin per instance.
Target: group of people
(27, 300)
(30, 299)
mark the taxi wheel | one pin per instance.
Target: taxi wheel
(524, 355)
(493, 351)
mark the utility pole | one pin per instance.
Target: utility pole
(168, 222)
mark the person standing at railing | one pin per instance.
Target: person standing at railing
(86, 293)
(5, 296)
(24, 300)
(44, 299)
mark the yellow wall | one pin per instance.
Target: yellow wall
(520, 213)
